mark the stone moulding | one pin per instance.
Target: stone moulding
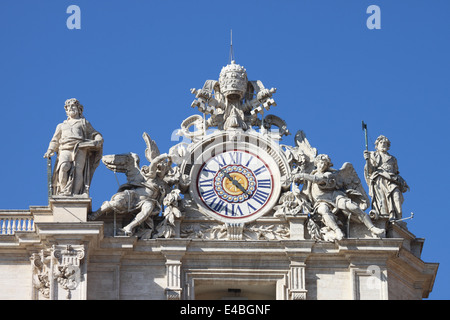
(183, 257)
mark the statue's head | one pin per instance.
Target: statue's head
(382, 143)
(74, 102)
(162, 168)
(323, 162)
(233, 81)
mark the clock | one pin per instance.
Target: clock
(237, 185)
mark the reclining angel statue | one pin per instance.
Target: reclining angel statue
(331, 191)
(146, 187)
(326, 192)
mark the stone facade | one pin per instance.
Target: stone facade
(185, 268)
(229, 214)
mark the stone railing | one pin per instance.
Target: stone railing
(15, 220)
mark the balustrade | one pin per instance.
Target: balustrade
(12, 221)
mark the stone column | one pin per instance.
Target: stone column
(297, 287)
(173, 251)
(173, 275)
(297, 252)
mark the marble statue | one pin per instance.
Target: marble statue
(332, 190)
(292, 203)
(233, 102)
(301, 157)
(386, 186)
(79, 150)
(146, 188)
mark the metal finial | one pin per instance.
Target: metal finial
(231, 46)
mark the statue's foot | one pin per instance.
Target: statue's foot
(126, 232)
(339, 234)
(377, 231)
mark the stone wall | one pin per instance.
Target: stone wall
(126, 268)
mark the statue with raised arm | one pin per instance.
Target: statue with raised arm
(386, 186)
(331, 191)
(79, 150)
(146, 188)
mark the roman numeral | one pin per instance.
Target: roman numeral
(264, 183)
(236, 157)
(219, 205)
(212, 202)
(208, 194)
(235, 210)
(206, 183)
(260, 196)
(250, 207)
(260, 170)
(220, 160)
(208, 170)
(249, 160)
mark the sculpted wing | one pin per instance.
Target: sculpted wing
(304, 147)
(121, 162)
(347, 179)
(152, 151)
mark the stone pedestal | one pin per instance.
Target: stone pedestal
(297, 226)
(60, 269)
(70, 209)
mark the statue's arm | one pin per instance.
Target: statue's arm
(320, 179)
(93, 134)
(54, 143)
(396, 166)
(370, 166)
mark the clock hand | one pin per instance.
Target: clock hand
(234, 182)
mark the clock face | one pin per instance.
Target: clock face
(235, 184)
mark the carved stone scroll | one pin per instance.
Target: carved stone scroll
(67, 269)
(58, 265)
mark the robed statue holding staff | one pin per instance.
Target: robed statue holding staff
(79, 151)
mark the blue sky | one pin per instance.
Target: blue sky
(132, 65)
